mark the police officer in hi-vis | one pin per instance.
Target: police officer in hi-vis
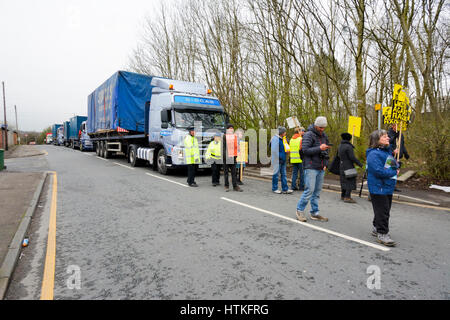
(213, 156)
(192, 155)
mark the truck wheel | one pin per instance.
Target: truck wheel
(161, 161)
(97, 148)
(100, 152)
(106, 153)
(132, 157)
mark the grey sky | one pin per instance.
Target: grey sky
(54, 53)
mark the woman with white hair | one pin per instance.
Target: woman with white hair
(382, 171)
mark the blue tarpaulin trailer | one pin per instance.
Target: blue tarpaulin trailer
(119, 103)
(66, 132)
(55, 131)
(74, 130)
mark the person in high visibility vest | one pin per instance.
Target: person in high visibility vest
(192, 156)
(296, 160)
(213, 156)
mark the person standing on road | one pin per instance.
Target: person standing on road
(315, 147)
(382, 171)
(230, 152)
(192, 155)
(347, 156)
(279, 148)
(213, 156)
(296, 159)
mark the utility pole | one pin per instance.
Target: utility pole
(6, 125)
(17, 126)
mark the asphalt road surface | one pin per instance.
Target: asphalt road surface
(131, 233)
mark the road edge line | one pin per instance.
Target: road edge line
(48, 280)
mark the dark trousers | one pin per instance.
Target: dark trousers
(381, 208)
(191, 173)
(215, 167)
(230, 165)
(346, 193)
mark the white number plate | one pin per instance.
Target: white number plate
(202, 166)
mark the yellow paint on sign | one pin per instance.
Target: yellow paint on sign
(354, 126)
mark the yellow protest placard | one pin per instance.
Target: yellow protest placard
(354, 126)
(400, 112)
(243, 152)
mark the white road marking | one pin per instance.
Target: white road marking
(122, 165)
(337, 234)
(101, 158)
(152, 175)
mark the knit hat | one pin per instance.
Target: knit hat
(346, 136)
(281, 130)
(321, 122)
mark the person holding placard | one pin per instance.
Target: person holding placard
(382, 171)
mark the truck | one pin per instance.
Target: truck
(60, 136)
(55, 132)
(66, 133)
(75, 131)
(48, 138)
(85, 143)
(146, 118)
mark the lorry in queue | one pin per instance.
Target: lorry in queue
(60, 136)
(48, 138)
(55, 132)
(146, 118)
(66, 133)
(78, 137)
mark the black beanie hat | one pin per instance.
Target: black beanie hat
(346, 136)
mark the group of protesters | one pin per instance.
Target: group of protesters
(381, 165)
(309, 156)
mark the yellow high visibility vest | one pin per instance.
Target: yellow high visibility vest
(286, 145)
(191, 150)
(295, 150)
(214, 150)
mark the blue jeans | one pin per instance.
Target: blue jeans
(280, 168)
(296, 168)
(313, 186)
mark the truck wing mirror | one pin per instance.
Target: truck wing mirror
(165, 118)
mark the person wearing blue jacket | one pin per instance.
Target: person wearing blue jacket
(278, 156)
(382, 171)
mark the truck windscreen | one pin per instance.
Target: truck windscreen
(186, 118)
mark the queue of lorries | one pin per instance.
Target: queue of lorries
(144, 118)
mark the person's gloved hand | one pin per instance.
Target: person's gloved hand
(406, 156)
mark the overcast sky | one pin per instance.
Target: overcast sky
(54, 53)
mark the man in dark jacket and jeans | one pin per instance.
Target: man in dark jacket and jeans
(315, 149)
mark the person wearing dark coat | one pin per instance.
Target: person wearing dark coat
(394, 134)
(348, 160)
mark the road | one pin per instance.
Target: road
(130, 233)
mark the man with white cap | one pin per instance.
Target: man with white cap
(315, 147)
